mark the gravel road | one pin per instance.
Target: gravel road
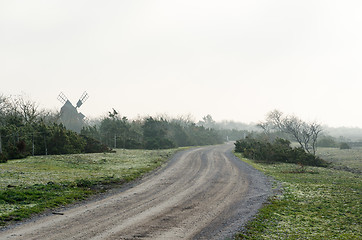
(202, 193)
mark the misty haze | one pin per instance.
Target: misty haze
(180, 119)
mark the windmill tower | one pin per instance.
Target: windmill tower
(69, 115)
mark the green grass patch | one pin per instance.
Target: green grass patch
(315, 203)
(34, 184)
(21, 202)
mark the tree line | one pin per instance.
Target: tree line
(25, 130)
(150, 132)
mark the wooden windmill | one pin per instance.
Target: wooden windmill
(69, 115)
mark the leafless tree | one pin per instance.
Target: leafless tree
(275, 119)
(26, 108)
(306, 134)
(316, 129)
(266, 126)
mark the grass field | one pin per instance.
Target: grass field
(31, 185)
(349, 158)
(315, 203)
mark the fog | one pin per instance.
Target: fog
(234, 60)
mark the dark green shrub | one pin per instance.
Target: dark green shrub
(344, 145)
(276, 151)
(327, 141)
(94, 146)
(63, 141)
(3, 158)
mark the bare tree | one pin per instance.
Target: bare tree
(306, 134)
(266, 126)
(275, 119)
(4, 104)
(26, 108)
(316, 129)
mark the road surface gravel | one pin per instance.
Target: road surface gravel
(202, 193)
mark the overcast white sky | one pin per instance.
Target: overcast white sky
(236, 60)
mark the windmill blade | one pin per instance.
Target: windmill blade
(81, 116)
(62, 98)
(82, 99)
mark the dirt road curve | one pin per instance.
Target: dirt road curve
(203, 193)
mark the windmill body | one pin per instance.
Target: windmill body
(69, 115)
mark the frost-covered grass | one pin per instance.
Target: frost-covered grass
(34, 184)
(315, 203)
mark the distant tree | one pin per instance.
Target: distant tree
(114, 129)
(207, 122)
(155, 134)
(327, 141)
(178, 134)
(91, 131)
